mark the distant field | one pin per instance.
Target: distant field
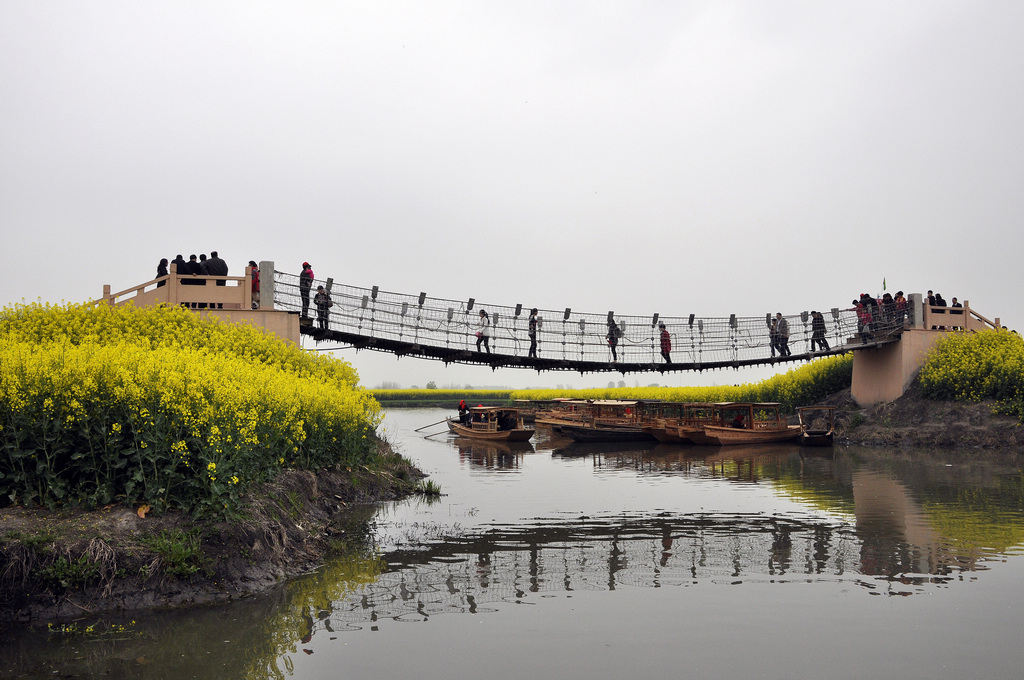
(443, 398)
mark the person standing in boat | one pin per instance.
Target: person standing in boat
(463, 412)
(614, 333)
(531, 330)
(483, 333)
(666, 343)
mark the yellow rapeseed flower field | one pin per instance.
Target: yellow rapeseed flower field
(975, 367)
(102, 403)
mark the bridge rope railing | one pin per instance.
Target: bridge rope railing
(577, 337)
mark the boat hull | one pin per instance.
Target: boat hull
(731, 436)
(817, 438)
(517, 435)
(581, 433)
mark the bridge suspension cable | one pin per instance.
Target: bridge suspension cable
(445, 329)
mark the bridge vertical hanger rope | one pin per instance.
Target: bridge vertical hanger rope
(444, 329)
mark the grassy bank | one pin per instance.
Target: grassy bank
(154, 458)
(158, 407)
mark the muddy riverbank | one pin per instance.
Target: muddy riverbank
(914, 421)
(70, 564)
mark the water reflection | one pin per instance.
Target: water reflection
(688, 520)
(492, 455)
(860, 523)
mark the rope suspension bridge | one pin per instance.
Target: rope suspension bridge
(446, 330)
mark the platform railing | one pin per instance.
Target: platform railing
(195, 291)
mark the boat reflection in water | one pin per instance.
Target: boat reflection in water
(492, 455)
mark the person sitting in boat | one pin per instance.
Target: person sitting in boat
(737, 422)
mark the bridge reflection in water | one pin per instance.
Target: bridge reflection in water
(862, 527)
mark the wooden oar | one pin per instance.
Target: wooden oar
(431, 425)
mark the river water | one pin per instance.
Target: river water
(555, 559)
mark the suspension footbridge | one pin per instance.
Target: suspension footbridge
(446, 330)
(443, 329)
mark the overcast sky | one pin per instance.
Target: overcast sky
(681, 157)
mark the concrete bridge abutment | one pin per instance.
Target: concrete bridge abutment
(884, 373)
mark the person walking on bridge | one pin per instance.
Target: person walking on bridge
(666, 342)
(614, 333)
(483, 333)
(531, 330)
(782, 332)
(305, 285)
(818, 332)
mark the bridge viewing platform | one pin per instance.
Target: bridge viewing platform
(417, 325)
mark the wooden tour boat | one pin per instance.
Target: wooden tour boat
(493, 423)
(606, 421)
(743, 423)
(817, 425)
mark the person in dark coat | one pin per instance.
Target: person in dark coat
(531, 330)
(305, 285)
(161, 272)
(217, 267)
(614, 332)
(180, 267)
(323, 304)
(818, 332)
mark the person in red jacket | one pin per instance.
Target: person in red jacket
(255, 284)
(666, 343)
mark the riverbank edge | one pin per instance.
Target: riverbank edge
(914, 421)
(101, 562)
(293, 523)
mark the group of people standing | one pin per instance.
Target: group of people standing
(936, 300)
(879, 314)
(196, 267)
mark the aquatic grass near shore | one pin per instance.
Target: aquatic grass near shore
(157, 406)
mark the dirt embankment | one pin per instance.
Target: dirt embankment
(914, 421)
(62, 565)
